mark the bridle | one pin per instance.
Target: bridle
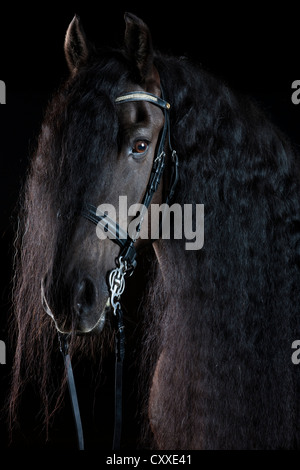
(125, 261)
(119, 236)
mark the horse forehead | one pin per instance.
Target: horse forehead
(142, 112)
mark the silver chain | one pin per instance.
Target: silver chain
(117, 283)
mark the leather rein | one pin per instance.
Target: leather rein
(125, 263)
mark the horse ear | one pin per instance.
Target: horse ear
(138, 45)
(77, 47)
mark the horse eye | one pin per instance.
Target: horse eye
(140, 147)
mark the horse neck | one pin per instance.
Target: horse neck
(177, 267)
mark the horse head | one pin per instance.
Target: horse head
(119, 134)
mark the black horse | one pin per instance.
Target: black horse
(216, 324)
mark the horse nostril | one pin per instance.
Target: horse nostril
(85, 295)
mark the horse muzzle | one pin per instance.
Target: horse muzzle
(87, 308)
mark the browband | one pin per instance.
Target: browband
(143, 96)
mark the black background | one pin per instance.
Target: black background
(254, 48)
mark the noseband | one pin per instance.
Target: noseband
(125, 262)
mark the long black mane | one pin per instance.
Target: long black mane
(230, 326)
(242, 288)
